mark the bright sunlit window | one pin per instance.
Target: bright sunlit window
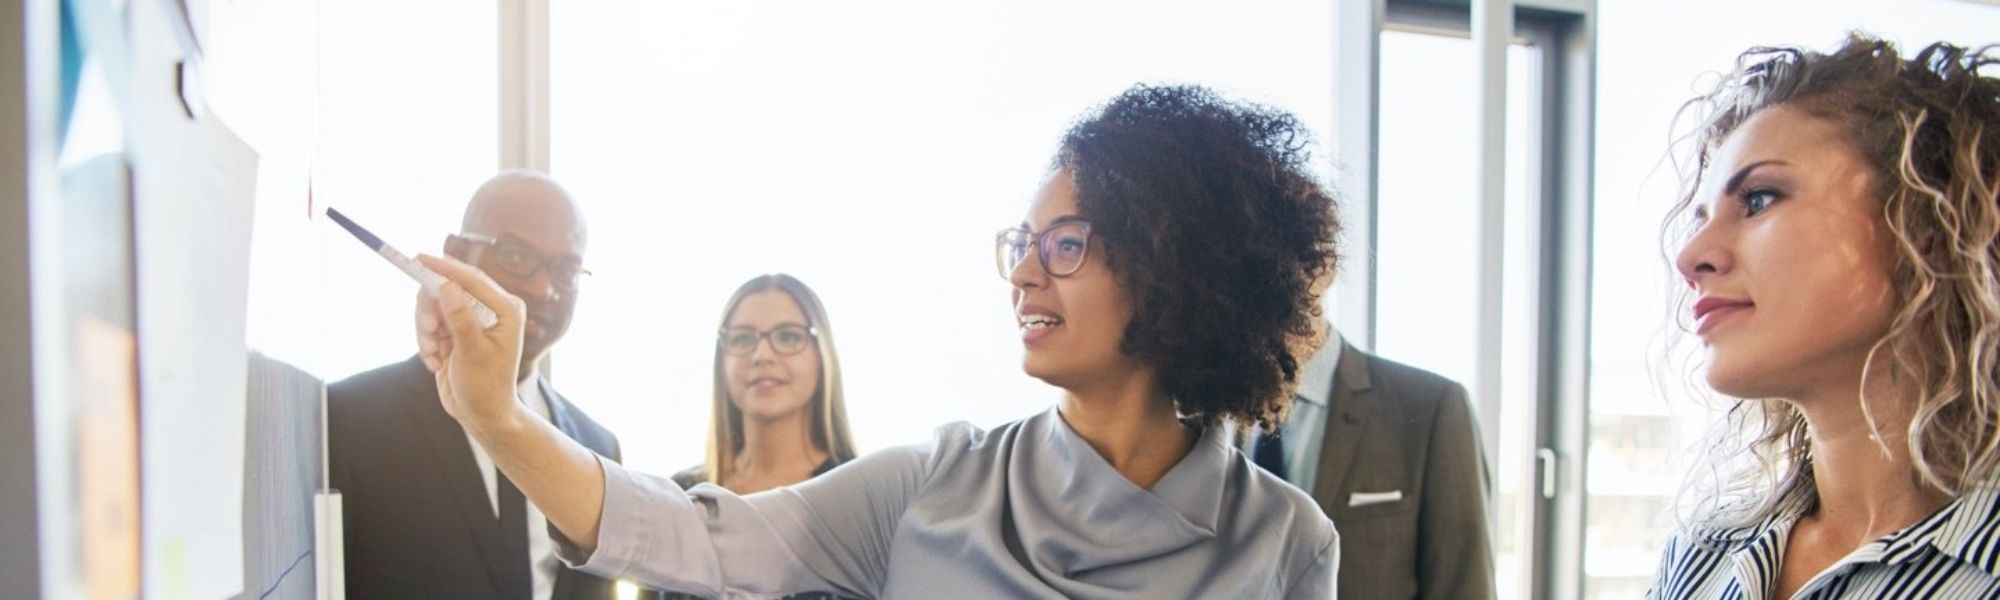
(1428, 253)
(393, 121)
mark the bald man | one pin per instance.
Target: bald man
(427, 515)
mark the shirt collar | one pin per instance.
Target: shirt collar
(1316, 377)
(529, 393)
(1115, 521)
(1968, 529)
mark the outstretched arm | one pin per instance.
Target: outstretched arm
(828, 534)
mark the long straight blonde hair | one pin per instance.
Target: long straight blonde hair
(828, 405)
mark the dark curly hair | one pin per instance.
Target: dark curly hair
(1214, 224)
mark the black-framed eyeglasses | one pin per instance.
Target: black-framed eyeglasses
(1061, 248)
(785, 339)
(519, 259)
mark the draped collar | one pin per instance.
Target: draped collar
(1102, 518)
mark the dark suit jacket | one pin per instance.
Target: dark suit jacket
(418, 522)
(1395, 428)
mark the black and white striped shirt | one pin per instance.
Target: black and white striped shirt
(1954, 553)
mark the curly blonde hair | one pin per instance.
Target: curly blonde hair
(1929, 127)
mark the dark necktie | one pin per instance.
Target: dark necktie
(1268, 451)
(517, 582)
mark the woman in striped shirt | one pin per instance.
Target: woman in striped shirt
(1843, 256)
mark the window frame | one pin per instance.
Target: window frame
(1553, 523)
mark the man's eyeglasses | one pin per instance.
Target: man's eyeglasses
(1062, 248)
(785, 339)
(518, 259)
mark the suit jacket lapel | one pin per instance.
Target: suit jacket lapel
(567, 581)
(558, 410)
(452, 455)
(1347, 410)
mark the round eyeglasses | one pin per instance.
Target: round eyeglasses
(785, 339)
(1061, 248)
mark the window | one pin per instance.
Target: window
(393, 120)
(1427, 290)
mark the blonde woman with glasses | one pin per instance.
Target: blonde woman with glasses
(778, 417)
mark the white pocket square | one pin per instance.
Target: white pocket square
(1367, 498)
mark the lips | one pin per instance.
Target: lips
(1710, 310)
(766, 383)
(1037, 323)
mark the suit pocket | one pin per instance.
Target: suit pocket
(1360, 499)
(1389, 503)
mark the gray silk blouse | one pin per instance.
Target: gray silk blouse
(1026, 510)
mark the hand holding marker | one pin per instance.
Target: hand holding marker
(431, 281)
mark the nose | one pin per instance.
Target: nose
(1706, 254)
(1028, 273)
(533, 289)
(539, 286)
(764, 351)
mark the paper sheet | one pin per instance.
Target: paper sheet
(194, 185)
(192, 222)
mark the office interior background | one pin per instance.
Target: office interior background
(873, 148)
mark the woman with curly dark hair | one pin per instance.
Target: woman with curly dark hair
(1842, 261)
(1163, 279)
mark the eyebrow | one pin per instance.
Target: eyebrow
(1735, 182)
(773, 327)
(1058, 221)
(572, 258)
